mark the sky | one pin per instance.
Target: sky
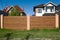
(26, 4)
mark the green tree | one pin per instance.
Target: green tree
(14, 12)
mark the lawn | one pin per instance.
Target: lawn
(35, 33)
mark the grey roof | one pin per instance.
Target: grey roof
(39, 6)
(58, 7)
(58, 13)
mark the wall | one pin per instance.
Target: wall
(15, 22)
(43, 22)
(20, 22)
(39, 14)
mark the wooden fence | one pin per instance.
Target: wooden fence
(29, 22)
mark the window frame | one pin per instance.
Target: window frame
(51, 9)
(39, 10)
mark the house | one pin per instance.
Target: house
(8, 10)
(4, 13)
(48, 9)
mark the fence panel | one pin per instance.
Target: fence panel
(15, 22)
(42, 22)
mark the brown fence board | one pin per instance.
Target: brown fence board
(42, 22)
(15, 22)
(20, 22)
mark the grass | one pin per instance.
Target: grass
(34, 33)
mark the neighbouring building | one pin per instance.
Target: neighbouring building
(48, 9)
(4, 13)
(8, 10)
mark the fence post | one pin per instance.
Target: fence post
(28, 22)
(57, 21)
(1, 21)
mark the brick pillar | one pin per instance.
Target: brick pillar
(1, 21)
(57, 21)
(28, 22)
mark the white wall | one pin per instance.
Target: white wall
(39, 14)
(48, 11)
(49, 5)
(44, 11)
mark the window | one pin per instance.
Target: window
(39, 10)
(49, 9)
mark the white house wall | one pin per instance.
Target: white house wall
(49, 5)
(44, 10)
(49, 9)
(39, 14)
